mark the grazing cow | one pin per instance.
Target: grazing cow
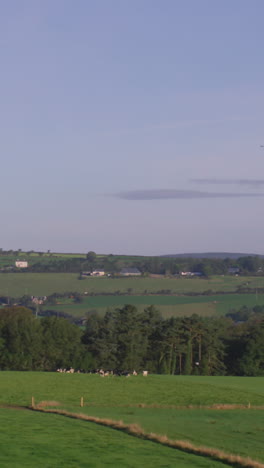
(134, 372)
(121, 373)
(70, 371)
(145, 373)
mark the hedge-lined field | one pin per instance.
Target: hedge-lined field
(80, 310)
(41, 284)
(168, 305)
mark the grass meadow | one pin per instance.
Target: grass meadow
(41, 284)
(140, 292)
(234, 431)
(168, 305)
(158, 404)
(31, 439)
(180, 407)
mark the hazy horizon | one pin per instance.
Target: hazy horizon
(130, 126)
(131, 254)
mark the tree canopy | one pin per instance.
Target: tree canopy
(126, 339)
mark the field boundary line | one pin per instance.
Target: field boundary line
(215, 406)
(183, 445)
(9, 406)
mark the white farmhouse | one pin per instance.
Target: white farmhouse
(98, 273)
(21, 264)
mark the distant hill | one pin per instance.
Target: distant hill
(220, 255)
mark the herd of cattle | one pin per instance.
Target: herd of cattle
(102, 372)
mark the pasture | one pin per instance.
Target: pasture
(44, 284)
(178, 406)
(18, 387)
(169, 306)
(31, 439)
(224, 429)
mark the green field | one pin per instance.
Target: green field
(186, 310)
(159, 404)
(32, 439)
(18, 387)
(41, 284)
(140, 289)
(199, 426)
(168, 305)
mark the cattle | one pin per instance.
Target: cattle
(103, 373)
(134, 372)
(145, 373)
(121, 373)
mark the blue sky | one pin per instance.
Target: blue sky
(132, 126)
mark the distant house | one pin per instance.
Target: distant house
(21, 264)
(130, 272)
(93, 273)
(190, 273)
(97, 273)
(38, 300)
(233, 270)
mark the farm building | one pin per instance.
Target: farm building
(130, 272)
(38, 300)
(97, 273)
(93, 273)
(21, 264)
(190, 273)
(233, 270)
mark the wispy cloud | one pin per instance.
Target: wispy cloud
(242, 182)
(165, 194)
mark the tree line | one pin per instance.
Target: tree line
(126, 339)
(112, 264)
(150, 265)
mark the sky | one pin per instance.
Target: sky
(132, 127)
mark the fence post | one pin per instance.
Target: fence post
(32, 402)
(81, 401)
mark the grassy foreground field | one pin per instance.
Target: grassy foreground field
(41, 284)
(178, 406)
(32, 439)
(234, 431)
(52, 441)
